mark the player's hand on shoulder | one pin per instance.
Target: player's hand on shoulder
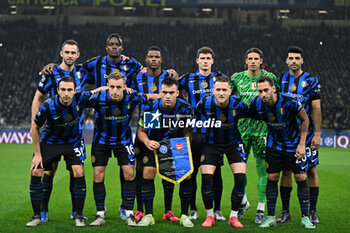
(47, 69)
(173, 74)
(124, 57)
(129, 90)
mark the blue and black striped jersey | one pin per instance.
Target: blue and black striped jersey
(49, 82)
(281, 120)
(148, 84)
(305, 89)
(63, 124)
(99, 68)
(112, 125)
(228, 132)
(196, 87)
(169, 121)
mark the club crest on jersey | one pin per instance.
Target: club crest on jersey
(253, 85)
(154, 87)
(115, 70)
(272, 118)
(69, 117)
(117, 111)
(222, 118)
(293, 87)
(179, 146)
(204, 84)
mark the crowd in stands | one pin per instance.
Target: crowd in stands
(27, 46)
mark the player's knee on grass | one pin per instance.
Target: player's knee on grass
(78, 170)
(149, 173)
(273, 176)
(300, 177)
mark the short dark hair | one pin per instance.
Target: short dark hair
(222, 79)
(295, 49)
(115, 35)
(168, 81)
(67, 79)
(70, 42)
(265, 78)
(205, 49)
(153, 48)
(116, 76)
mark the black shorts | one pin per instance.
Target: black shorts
(100, 154)
(148, 158)
(312, 156)
(212, 154)
(73, 153)
(276, 161)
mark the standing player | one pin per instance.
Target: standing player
(48, 85)
(62, 135)
(306, 89)
(285, 147)
(167, 109)
(222, 140)
(253, 132)
(112, 132)
(197, 86)
(150, 82)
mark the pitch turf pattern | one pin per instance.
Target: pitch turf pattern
(333, 206)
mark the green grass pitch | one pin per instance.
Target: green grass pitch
(333, 206)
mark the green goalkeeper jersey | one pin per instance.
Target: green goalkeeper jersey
(245, 87)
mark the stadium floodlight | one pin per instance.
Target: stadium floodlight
(13, 7)
(323, 12)
(284, 11)
(168, 9)
(207, 9)
(13, 12)
(48, 7)
(128, 8)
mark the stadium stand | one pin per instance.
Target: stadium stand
(27, 46)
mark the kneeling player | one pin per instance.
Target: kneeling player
(222, 140)
(285, 145)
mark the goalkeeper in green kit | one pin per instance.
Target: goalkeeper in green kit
(253, 132)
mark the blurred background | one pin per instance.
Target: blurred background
(32, 31)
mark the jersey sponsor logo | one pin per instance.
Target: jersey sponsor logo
(192, 81)
(142, 83)
(203, 91)
(55, 118)
(243, 93)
